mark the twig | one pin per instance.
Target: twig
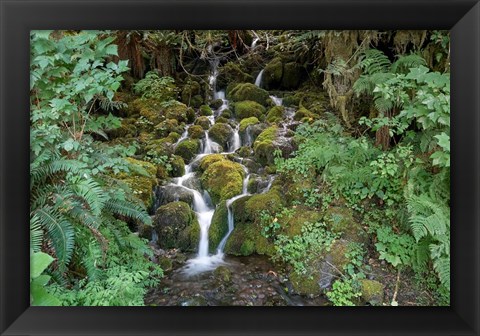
(394, 298)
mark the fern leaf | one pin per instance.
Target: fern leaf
(92, 193)
(36, 234)
(442, 268)
(59, 231)
(124, 208)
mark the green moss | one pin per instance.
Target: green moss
(227, 114)
(245, 151)
(142, 188)
(178, 166)
(304, 284)
(244, 123)
(248, 91)
(248, 108)
(223, 180)
(303, 113)
(372, 291)
(187, 149)
(223, 275)
(206, 161)
(301, 215)
(275, 114)
(196, 132)
(164, 128)
(177, 111)
(263, 146)
(246, 239)
(341, 221)
(216, 104)
(232, 73)
(147, 108)
(205, 110)
(126, 130)
(204, 122)
(190, 115)
(189, 237)
(273, 73)
(218, 227)
(292, 74)
(165, 263)
(247, 248)
(143, 167)
(271, 201)
(190, 90)
(221, 133)
(172, 223)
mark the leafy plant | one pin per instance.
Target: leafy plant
(155, 87)
(343, 293)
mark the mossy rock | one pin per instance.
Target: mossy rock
(158, 147)
(305, 284)
(245, 151)
(141, 179)
(231, 72)
(187, 149)
(165, 263)
(272, 201)
(203, 121)
(227, 114)
(341, 221)
(301, 215)
(222, 120)
(223, 180)
(191, 89)
(272, 75)
(173, 223)
(248, 108)
(206, 161)
(190, 115)
(196, 132)
(216, 104)
(292, 74)
(275, 114)
(150, 109)
(246, 239)
(127, 129)
(178, 166)
(221, 133)
(162, 172)
(205, 110)
(244, 123)
(372, 292)
(248, 91)
(223, 275)
(177, 111)
(264, 147)
(164, 128)
(302, 114)
(218, 227)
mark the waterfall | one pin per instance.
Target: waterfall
(258, 80)
(235, 143)
(183, 136)
(277, 101)
(230, 218)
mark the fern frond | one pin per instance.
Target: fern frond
(124, 208)
(442, 268)
(36, 234)
(374, 61)
(92, 193)
(383, 105)
(91, 259)
(59, 230)
(404, 63)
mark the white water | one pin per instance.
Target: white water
(235, 143)
(258, 80)
(255, 40)
(183, 136)
(277, 101)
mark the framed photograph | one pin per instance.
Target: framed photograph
(224, 167)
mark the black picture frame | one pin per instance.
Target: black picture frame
(18, 17)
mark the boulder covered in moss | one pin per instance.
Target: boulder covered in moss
(177, 111)
(205, 110)
(223, 275)
(127, 129)
(272, 74)
(227, 114)
(171, 193)
(216, 104)
(231, 72)
(223, 180)
(372, 292)
(178, 166)
(218, 227)
(341, 220)
(176, 226)
(196, 132)
(221, 133)
(292, 75)
(305, 284)
(248, 91)
(206, 161)
(141, 179)
(248, 109)
(204, 122)
(187, 149)
(164, 128)
(244, 123)
(303, 114)
(190, 90)
(275, 114)
(264, 146)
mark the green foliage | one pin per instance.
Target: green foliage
(396, 249)
(155, 87)
(39, 296)
(300, 250)
(74, 201)
(343, 293)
